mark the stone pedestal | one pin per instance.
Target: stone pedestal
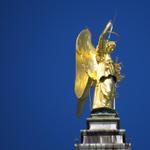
(103, 132)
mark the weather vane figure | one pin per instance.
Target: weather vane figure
(95, 68)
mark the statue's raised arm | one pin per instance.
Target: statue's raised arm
(102, 37)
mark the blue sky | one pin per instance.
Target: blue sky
(37, 69)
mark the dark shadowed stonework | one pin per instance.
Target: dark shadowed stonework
(103, 132)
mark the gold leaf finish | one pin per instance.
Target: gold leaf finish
(95, 68)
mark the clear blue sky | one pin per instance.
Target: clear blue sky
(37, 69)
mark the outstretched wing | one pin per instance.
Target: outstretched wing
(85, 57)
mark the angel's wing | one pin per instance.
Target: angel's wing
(85, 57)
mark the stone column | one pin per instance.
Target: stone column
(103, 132)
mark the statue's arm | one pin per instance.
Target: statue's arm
(102, 36)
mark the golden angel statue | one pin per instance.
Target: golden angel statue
(95, 68)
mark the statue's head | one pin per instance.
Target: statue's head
(110, 46)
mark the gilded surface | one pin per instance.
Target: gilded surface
(95, 68)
